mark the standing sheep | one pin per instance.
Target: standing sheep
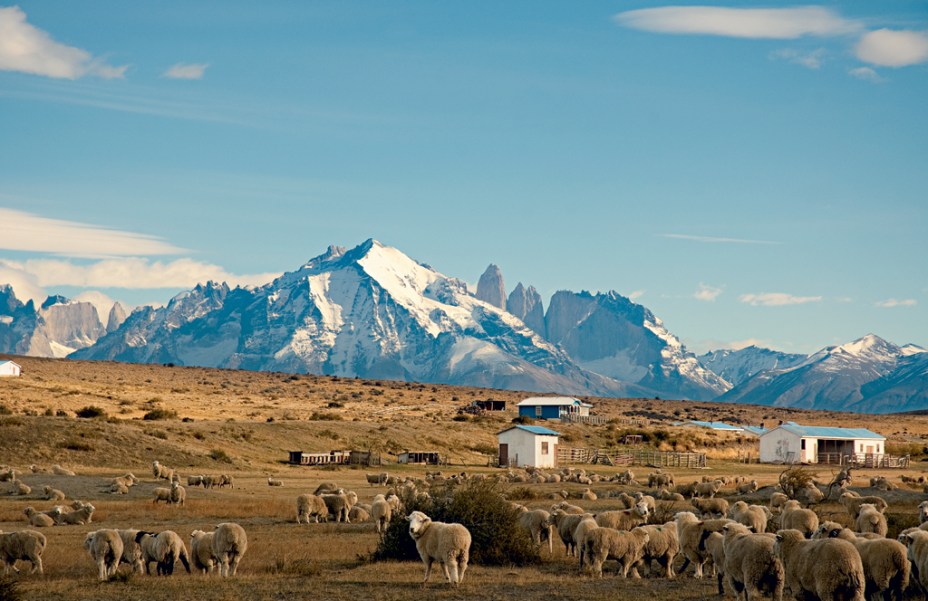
(830, 568)
(164, 548)
(871, 520)
(382, 512)
(308, 506)
(566, 523)
(750, 565)
(201, 551)
(623, 519)
(537, 522)
(747, 487)
(711, 506)
(161, 472)
(886, 563)
(178, 494)
(663, 546)
(752, 516)
(131, 550)
(777, 501)
(339, 505)
(448, 544)
(81, 516)
(626, 547)
(27, 545)
(708, 489)
(852, 502)
(794, 517)
(161, 494)
(691, 531)
(105, 547)
(229, 544)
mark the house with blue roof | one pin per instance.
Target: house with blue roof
(521, 446)
(793, 443)
(553, 407)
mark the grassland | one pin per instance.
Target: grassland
(243, 423)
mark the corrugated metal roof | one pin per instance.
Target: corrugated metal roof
(758, 430)
(830, 432)
(534, 430)
(551, 400)
(716, 425)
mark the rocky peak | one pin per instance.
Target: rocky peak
(491, 288)
(116, 317)
(526, 304)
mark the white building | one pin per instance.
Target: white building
(521, 446)
(553, 407)
(792, 443)
(10, 368)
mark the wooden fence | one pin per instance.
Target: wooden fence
(595, 420)
(568, 455)
(876, 460)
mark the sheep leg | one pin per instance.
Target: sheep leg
(462, 566)
(101, 569)
(233, 565)
(428, 571)
(450, 568)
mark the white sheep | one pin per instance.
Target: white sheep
(195, 480)
(274, 482)
(27, 545)
(565, 524)
(852, 502)
(829, 568)
(201, 551)
(871, 520)
(625, 547)
(229, 544)
(777, 501)
(710, 506)
(19, 488)
(794, 517)
(916, 542)
(583, 527)
(164, 548)
(178, 494)
(623, 519)
(886, 564)
(161, 472)
(750, 564)
(747, 487)
(809, 495)
(310, 505)
(568, 508)
(708, 489)
(128, 481)
(131, 550)
(448, 544)
(691, 531)
(923, 512)
(358, 514)
(648, 500)
(382, 512)
(537, 523)
(61, 471)
(663, 546)
(161, 494)
(714, 544)
(752, 516)
(81, 516)
(39, 520)
(105, 547)
(117, 488)
(339, 505)
(225, 480)
(53, 494)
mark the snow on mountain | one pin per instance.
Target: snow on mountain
(737, 366)
(55, 329)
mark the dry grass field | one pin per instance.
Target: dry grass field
(243, 423)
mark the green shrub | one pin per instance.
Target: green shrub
(156, 414)
(90, 412)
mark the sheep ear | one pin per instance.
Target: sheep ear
(779, 537)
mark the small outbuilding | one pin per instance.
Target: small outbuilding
(426, 457)
(793, 443)
(10, 369)
(553, 407)
(521, 446)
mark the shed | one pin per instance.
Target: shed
(521, 446)
(553, 407)
(793, 443)
(490, 405)
(426, 457)
(10, 369)
(321, 458)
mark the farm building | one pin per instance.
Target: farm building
(553, 407)
(792, 443)
(426, 457)
(521, 446)
(10, 368)
(323, 458)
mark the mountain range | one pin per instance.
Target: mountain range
(374, 312)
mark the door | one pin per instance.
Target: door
(503, 454)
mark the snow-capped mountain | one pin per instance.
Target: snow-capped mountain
(55, 329)
(737, 366)
(845, 377)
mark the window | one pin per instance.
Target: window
(537, 410)
(544, 448)
(802, 444)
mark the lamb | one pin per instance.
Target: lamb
(274, 482)
(691, 532)
(201, 551)
(131, 550)
(61, 471)
(777, 501)
(710, 506)
(39, 520)
(53, 494)
(886, 563)
(105, 547)
(753, 516)
(161, 472)
(81, 516)
(623, 519)
(448, 544)
(27, 545)
(794, 517)
(178, 494)
(164, 548)
(663, 545)
(747, 488)
(852, 503)
(308, 506)
(229, 544)
(382, 512)
(566, 523)
(626, 547)
(871, 520)
(828, 569)
(708, 489)
(750, 565)
(339, 505)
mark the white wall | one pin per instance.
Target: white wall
(9, 369)
(525, 448)
(776, 445)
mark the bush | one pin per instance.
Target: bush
(496, 538)
(220, 455)
(156, 414)
(795, 478)
(76, 445)
(9, 589)
(90, 412)
(523, 419)
(4, 410)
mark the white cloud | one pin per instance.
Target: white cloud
(100, 301)
(763, 23)
(26, 49)
(716, 240)
(892, 303)
(810, 60)
(740, 344)
(777, 299)
(893, 48)
(707, 293)
(636, 294)
(186, 71)
(25, 286)
(23, 231)
(866, 74)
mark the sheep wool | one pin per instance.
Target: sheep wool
(26, 545)
(828, 568)
(625, 547)
(229, 545)
(750, 564)
(448, 544)
(201, 551)
(105, 548)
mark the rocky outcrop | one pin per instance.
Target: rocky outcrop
(116, 317)
(525, 303)
(738, 366)
(491, 288)
(55, 329)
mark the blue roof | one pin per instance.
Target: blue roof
(830, 432)
(715, 425)
(755, 429)
(534, 430)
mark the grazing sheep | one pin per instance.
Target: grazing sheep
(448, 544)
(579, 535)
(61, 471)
(566, 523)
(209, 481)
(750, 564)
(623, 519)
(794, 517)
(27, 545)
(537, 522)
(81, 516)
(886, 564)
(274, 482)
(663, 546)
(53, 494)
(308, 506)
(691, 532)
(625, 547)
(201, 551)
(829, 568)
(225, 480)
(871, 520)
(131, 550)
(747, 488)
(229, 544)
(710, 506)
(39, 520)
(687, 490)
(164, 548)
(852, 503)
(195, 480)
(708, 489)
(105, 547)
(777, 501)
(568, 508)
(326, 487)
(339, 505)
(753, 516)
(161, 494)
(382, 512)
(178, 494)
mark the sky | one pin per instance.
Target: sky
(752, 173)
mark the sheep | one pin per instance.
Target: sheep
(27, 545)
(626, 547)
(178, 494)
(777, 501)
(588, 495)
(326, 487)
(53, 494)
(566, 523)
(382, 512)
(687, 490)
(39, 520)
(358, 514)
(923, 512)
(829, 568)
(537, 522)
(209, 481)
(663, 545)
(623, 519)
(377, 479)
(161, 494)
(916, 542)
(568, 508)
(81, 516)
(659, 479)
(714, 545)
(129, 480)
(274, 482)
(105, 547)
(690, 532)
(747, 488)
(161, 472)
(852, 503)
(708, 489)
(226, 480)
(665, 495)
(753, 516)
(195, 480)
(339, 505)
(750, 564)
(886, 563)
(647, 500)
(201, 551)
(809, 495)
(579, 536)
(710, 506)
(794, 517)
(118, 489)
(229, 544)
(882, 483)
(448, 544)
(61, 471)
(308, 506)
(164, 548)
(871, 520)
(131, 550)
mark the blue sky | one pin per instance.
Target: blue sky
(750, 174)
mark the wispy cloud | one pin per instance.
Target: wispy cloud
(810, 60)
(866, 74)
(27, 49)
(892, 303)
(23, 231)
(717, 239)
(707, 293)
(186, 71)
(761, 23)
(776, 299)
(636, 294)
(893, 48)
